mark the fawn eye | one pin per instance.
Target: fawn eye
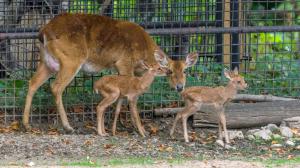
(238, 82)
(169, 72)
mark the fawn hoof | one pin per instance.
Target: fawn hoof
(103, 134)
(220, 143)
(229, 147)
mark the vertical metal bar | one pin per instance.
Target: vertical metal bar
(235, 49)
(219, 36)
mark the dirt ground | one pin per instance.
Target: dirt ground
(52, 147)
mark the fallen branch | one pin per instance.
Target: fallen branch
(241, 115)
(260, 98)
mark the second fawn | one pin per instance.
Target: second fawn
(116, 87)
(197, 96)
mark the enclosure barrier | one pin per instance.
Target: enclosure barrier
(260, 37)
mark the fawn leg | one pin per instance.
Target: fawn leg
(223, 122)
(135, 114)
(41, 76)
(117, 113)
(220, 130)
(185, 115)
(107, 100)
(178, 116)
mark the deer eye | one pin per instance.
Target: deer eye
(185, 71)
(238, 82)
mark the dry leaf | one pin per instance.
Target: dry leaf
(78, 109)
(88, 142)
(15, 125)
(108, 146)
(36, 131)
(296, 131)
(188, 154)
(193, 136)
(290, 157)
(5, 130)
(53, 132)
(153, 129)
(161, 147)
(169, 149)
(49, 151)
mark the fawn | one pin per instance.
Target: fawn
(114, 87)
(196, 96)
(73, 42)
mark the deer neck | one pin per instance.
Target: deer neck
(230, 90)
(146, 80)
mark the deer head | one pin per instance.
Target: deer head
(175, 69)
(236, 80)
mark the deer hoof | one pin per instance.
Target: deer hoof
(69, 129)
(27, 127)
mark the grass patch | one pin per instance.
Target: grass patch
(281, 161)
(132, 161)
(83, 164)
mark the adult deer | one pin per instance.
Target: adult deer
(71, 42)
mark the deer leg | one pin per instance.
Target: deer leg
(117, 113)
(223, 122)
(63, 78)
(134, 112)
(41, 76)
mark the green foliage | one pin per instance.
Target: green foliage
(274, 66)
(84, 6)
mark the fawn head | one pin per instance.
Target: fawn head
(235, 79)
(175, 69)
(155, 70)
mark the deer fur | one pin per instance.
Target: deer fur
(73, 42)
(194, 97)
(114, 87)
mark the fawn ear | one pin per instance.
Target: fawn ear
(227, 73)
(161, 58)
(191, 59)
(144, 65)
(236, 71)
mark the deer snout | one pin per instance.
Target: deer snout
(179, 87)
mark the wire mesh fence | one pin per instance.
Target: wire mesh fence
(260, 37)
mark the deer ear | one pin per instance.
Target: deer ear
(227, 74)
(191, 59)
(161, 58)
(236, 71)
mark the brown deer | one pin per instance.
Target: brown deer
(197, 96)
(73, 42)
(117, 87)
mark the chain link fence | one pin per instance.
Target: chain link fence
(260, 37)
